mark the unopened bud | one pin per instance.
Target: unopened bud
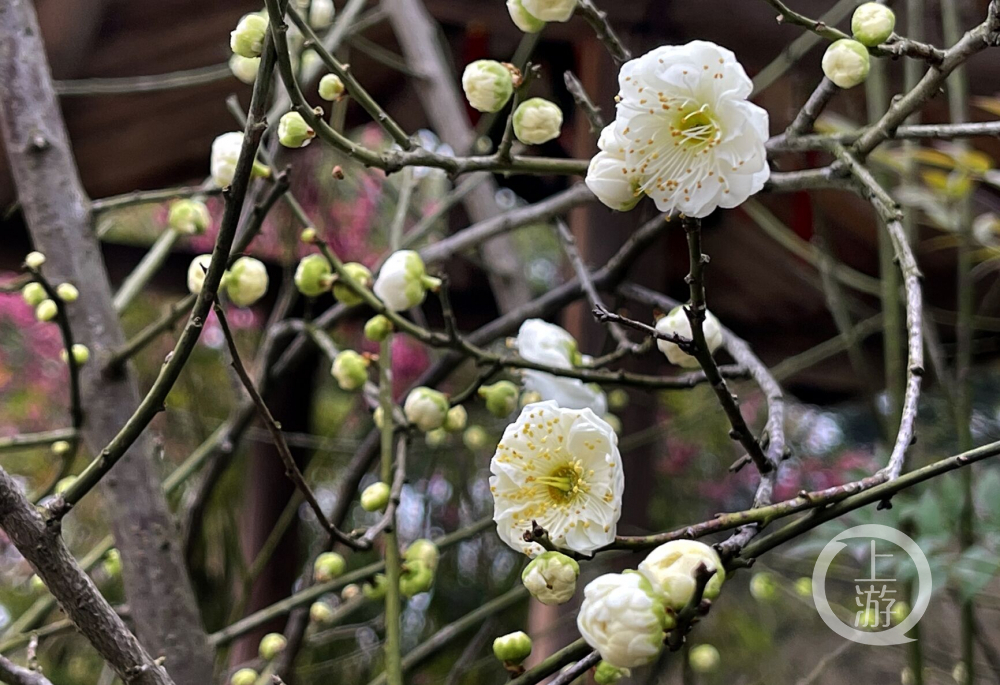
(537, 121)
(313, 275)
(424, 551)
(436, 437)
(501, 398)
(64, 484)
(359, 274)
(350, 369)
(378, 328)
(426, 408)
(244, 676)
(846, 63)
(872, 23)
(189, 217)
(512, 648)
(375, 497)
(81, 354)
(551, 578)
(247, 281)
(244, 68)
(247, 40)
(417, 577)
(308, 235)
(293, 131)
(34, 260)
(475, 438)
(704, 658)
(375, 589)
(113, 563)
(197, 271)
(61, 448)
(320, 613)
(328, 565)
(67, 292)
(271, 645)
(763, 587)
(46, 310)
(488, 85)
(33, 294)
(456, 419)
(331, 87)
(523, 19)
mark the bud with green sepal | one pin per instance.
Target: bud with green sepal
(293, 131)
(551, 10)
(246, 281)
(320, 613)
(846, 63)
(34, 260)
(376, 588)
(426, 408)
(190, 217)
(375, 497)
(456, 419)
(522, 18)
(606, 674)
(416, 577)
(378, 328)
(475, 438)
(551, 578)
(424, 551)
(271, 645)
(247, 40)
(537, 121)
(33, 294)
(512, 649)
(328, 565)
(313, 275)
(46, 310)
(331, 87)
(488, 85)
(704, 659)
(308, 235)
(672, 566)
(359, 274)
(872, 23)
(403, 282)
(244, 676)
(501, 398)
(67, 292)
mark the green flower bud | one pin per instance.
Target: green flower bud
(244, 68)
(614, 422)
(360, 274)
(377, 416)
(33, 294)
(426, 408)
(606, 674)
(189, 217)
(417, 577)
(64, 484)
(530, 398)
(501, 398)
(804, 587)
(960, 674)
(113, 563)
(320, 613)
(424, 551)
(293, 131)
(523, 19)
(350, 369)
(81, 354)
(704, 658)
(436, 437)
(244, 676)
(846, 63)
(378, 328)
(475, 438)
(488, 85)
(375, 497)
(763, 587)
(34, 260)
(313, 276)
(375, 590)
(37, 584)
(308, 235)
(328, 565)
(537, 121)
(899, 611)
(248, 38)
(618, 399)
(456, 419)
(331, 87)
(512, 648)
(61, 448)
(67, 292)
(197, 270)
(350, 591)
(551, 578)
(246, 282)
(46, 310)
(872, 23)
(271, 645)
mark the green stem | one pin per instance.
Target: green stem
(145, 269)
(393, 663)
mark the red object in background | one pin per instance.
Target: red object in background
(475, 45)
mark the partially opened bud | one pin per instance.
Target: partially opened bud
(551, 10)
(320, 613)
(321, 13)
(456, 419)
(846, 63)
(81, 354)
(244, 68)
(606, 674)
(378, 328)
(331, 87)
(293, 131)
(501, 398)
(46, 310)
(488, 85)
(225, 155)
(375, 588)
(677, 323)
(34, 260)
(872, 23)
(403, 282)
(623, 618)
(551, 578)
(537, 121)
(271, 645)
(247, 40)
(375, 497)
(33, 294)
(197, 271)
(512, 648)
(189, 217)
(247, 281)
(426, 408)
(523, 19)
(67, 292)
(704, 659)
(328, 565)
(313, 275)
(671, 569)
(244, 676)
(350, 369)
(358, 273)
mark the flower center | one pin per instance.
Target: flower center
(565, 482)
(694, 127)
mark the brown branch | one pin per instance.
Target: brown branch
(13, 674)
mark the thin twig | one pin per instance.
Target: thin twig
(583, 101)
(598, 20)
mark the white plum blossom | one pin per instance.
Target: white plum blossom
(551, 578)
(608, 176)
(623, 618)
(225, 155)
(523, 19)
(537, 121)
(246, 281)
(550, 10)
(872, 23)
(488, 85)
(545, 343)
(197, 271)
(403, 282)
(321, 13)
(671, 570)
(846, 63)
(677, 323)
(560, 468)
(691, 140)
(427, 409)
(244, 68)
